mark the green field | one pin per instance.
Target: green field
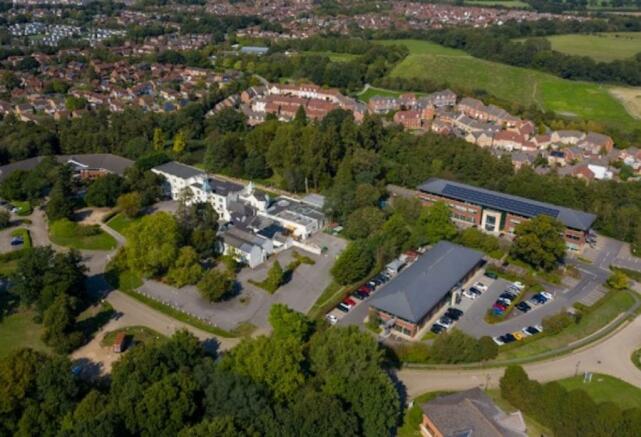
(605, 47)
(120, 222)
(334, 57)
(605, 388)
(70, 234)
(18, 330)
(455, 68)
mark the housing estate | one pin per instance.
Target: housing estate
(410, 300)
(469, 413)
(496, 213)
(253, 224)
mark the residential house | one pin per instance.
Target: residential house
(596, 143)
(383, 105)
(409, 119)
(246, 247)
(567, 137)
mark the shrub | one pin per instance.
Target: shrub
(5, 219)
(553, 325)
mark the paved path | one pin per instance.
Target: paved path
(610, 356)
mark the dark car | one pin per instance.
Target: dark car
(540, 299)
(454, 313)
(365, 289)
(532, 330)
(437, 329)
(491, 275)
(523, 307)
(508, 338)
(17, 241)
(342, 307)
(507, 295)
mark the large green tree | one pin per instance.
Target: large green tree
(353, 263)
(539, 242)
(152, 244)
(104, 191)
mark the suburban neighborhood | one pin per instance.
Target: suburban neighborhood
(320, 218)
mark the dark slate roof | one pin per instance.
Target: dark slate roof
(113, 163)
(571, 218)
(179, 170)
(472, 413)
(422, 285)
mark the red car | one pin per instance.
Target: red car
(364, 289)
(349, 302)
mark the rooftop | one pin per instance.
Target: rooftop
(422, 285)
(179, 170)
(571, 218)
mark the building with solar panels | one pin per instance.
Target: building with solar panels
(499, 213)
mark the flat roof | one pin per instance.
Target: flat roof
(418, 288)
(180, 170)
(522, 206)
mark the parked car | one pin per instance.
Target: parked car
(349, 302)
(476, 290)
(471, 294)
(539, 299)
(501, 305)
(518, 335)
(523, 307)
(361, 294)
(519, 285)
(366, 287)
(481, 286)
(437, 329)
(508, 338)
(332, 319)
(342, 307)
(547, 295)
(498, 340)
(491, 275)
(454, 313)
(507, 296)
(445, 321)
(532, 330)
(505, 302)
(17, 241)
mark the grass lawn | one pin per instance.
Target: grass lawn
(604, 388)
(605, 47)
(455, 68)
(609, 307)
(24, 207)
(18, 330)
(120, 222)
(332, 294)
(26, 237)
(70, 234)
(137, 335)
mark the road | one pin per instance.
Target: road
(611, 356)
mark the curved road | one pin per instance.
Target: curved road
(611, 356)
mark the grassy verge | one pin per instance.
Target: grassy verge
(632, 274)
(69, 234)
(127, 282)
(605, 388)
(120, 222)
(330, 297)
(593, 318)
(136, 334)
(24, 207)
(26, 237)
(636, 358)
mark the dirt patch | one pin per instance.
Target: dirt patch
(630, 98)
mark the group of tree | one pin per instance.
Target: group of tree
(405, 225)
(454, 347)
(301, 381)
(53, 285)
(567, 413)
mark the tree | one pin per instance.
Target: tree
(5, 219)
(618, 280)
(180, 143)
(434, 225)
(273, 361)
(152, 245)
(104, 191)
(130, 204)
(364, 222)
(354, 263)
(187, 269)
(287, 322)
(158, 141)
(59, 323)
(275, 276)
(215, 285)
(539, 242)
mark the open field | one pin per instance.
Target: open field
(603, 313)
(605, 388)
(120, 222)
(70, 234)
(630, 98)
(457, 69)
(18, 330)
(603, 47)
(333, 56)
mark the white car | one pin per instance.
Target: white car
(470, 294)
(481, 286)
(498, 340)
(519, 285)
(546, 295)
(332, 319)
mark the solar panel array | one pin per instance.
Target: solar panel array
(483, 198)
